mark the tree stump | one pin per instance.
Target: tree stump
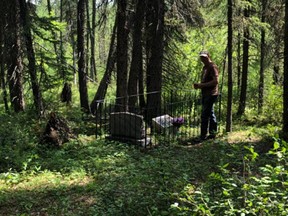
(66, 94)
(57, 131)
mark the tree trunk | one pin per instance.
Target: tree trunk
(2, 61)
(243, 91)
(81, 56)
(230, 72)
(93, 71)
(155, 56)
(101, 45)
(262, 57)
(14, 62)
(49, 7)
(105, 81)
(73, 45)
(61, 54)
(238, 63)
(142, 103)
(136, 69)
(88, 32)
(285, 84)
(122, 56)
(31, 57)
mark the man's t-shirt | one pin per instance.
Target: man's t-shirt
(208, 73)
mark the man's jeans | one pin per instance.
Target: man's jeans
(208, 118)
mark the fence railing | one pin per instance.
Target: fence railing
(176, 118)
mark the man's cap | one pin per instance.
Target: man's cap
(204, 54)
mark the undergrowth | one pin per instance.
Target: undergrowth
(238, 173)
(253, 191)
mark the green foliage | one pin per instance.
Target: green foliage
(17, 143)
(88, 176)
(97, 177)
(274, 103)
(262, 191)
(185, 57)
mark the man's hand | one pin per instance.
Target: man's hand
(197, 85)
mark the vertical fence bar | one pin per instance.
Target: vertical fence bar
(96, 122)
(99, 115)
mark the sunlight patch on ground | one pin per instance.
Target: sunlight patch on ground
(242, 136)
(86, 139)
(48, 180)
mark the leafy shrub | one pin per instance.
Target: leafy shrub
(261, 192)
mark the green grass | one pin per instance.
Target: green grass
(100, 177)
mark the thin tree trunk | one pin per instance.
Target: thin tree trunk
(49, 7)
(238, 63)
(105, 81)
(3, 82)
(136, 69)
(243, 91)
(285, 84)
(93, 71)
(262, 57)
(230, 72)
(61, 55)
(122, 56)
(14, 62)
(2, 61)
(141, 89)
(142, 83)
(31, 57)
(88, 32)
(81, 56)
(73, 45)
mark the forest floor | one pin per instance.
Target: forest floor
(97, 177)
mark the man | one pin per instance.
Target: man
(209, 88)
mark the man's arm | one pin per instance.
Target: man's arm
(211, 83)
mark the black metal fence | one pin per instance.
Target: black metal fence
(175, 119)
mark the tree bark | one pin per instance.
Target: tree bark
(155, 56)
(105, 81)
(31, 57)
(81, 56)
(238, 63)
(61, 54)
(243, 91)
(93, 71)
(285, 84)
(136, 69)
(122, 56)
(2, 60)
(73, 45)
(14, 62)
(262, 58)
(230, 72)
(88, 32)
